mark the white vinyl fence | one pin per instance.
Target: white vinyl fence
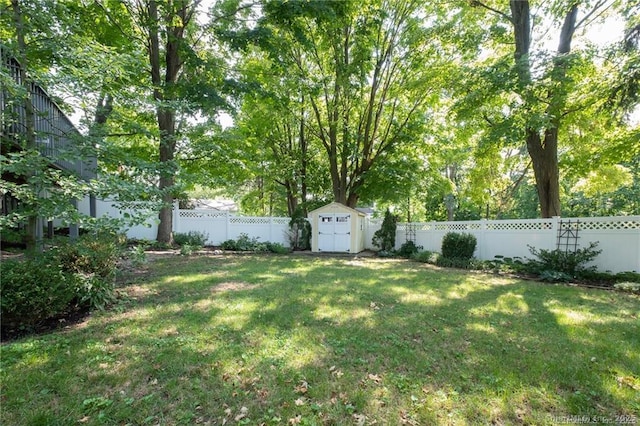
(617, 237)
(219, 226)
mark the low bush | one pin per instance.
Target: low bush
(453, 262)
(566, 262)
(244, 243)
(191, 238)
(95, 254)
(34, 290)
(425, 256)
(137, 255)
(408, 249)
(72, 276)
(458, 245)
(278, 248)
(504, 264)
(628, 276)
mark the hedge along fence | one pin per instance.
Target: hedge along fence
(618, 237)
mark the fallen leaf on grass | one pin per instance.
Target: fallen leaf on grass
(300, 401)
(375, 378)
(303, 387)
(295, 420)
(243, 413)
(360, 419)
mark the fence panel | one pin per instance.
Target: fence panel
(617, 237)
(272, 229)
(148, 230)
(212, 223)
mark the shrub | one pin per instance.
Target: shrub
(385, 237)
(72, 276)
(191, 238)
(408, 249)
(34, 290)
(453, 262)
(299, 231)
(244, 243)
(229, 245)
(425, 256)
(569, 263)
(187, 249)
(458, 245)
(137, 255)
(90, 254)
(628, 276)
(277, 248)
(507, 264)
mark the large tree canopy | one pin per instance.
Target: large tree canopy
(442, 111)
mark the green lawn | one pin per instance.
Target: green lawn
(263, 339)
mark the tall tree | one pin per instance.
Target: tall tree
(545, 93)
(164, 32)
(366, 70)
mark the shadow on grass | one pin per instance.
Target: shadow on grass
(329, 340)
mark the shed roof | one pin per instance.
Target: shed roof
(334, 205)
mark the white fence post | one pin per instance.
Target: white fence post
(176, 217)
(555, 227)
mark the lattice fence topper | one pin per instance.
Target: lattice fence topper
(520, 226)
(597, 224)
(197, 214)
(244, 220)
(469, 226)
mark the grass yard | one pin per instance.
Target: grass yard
(305, 340)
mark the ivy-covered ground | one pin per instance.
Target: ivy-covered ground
(266, 339)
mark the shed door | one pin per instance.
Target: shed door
(334, 232)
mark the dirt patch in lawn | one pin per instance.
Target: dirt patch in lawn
(233, 286)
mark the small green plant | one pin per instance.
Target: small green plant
(506, 264)
(456, 262)
(245, 243)
(569, 263)
(458, 245)
(191, 238)
(277, 248)
(137, 255)
(408, 249)
(385, 237)
(555, 276)
(425, 256)
(229, 245)
(187, 249)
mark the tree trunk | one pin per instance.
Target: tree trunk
(543, 151)
(175, 23)
(544, 158)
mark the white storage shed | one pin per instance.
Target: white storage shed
(337, 228)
